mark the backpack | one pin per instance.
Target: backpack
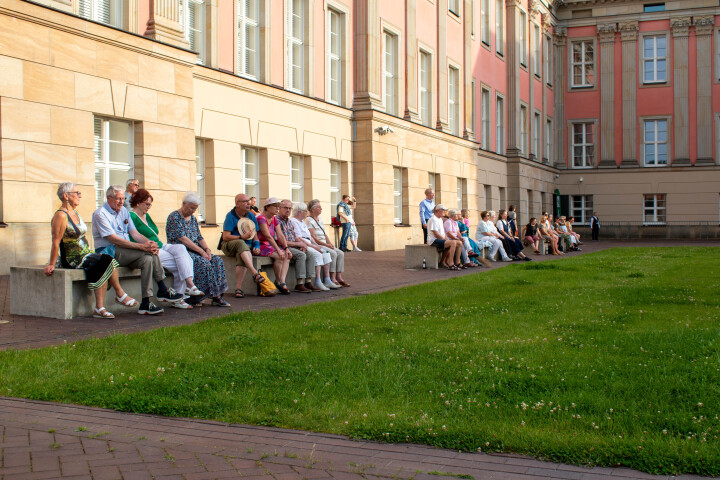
(266, 288)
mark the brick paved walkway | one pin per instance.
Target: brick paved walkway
(40, 440)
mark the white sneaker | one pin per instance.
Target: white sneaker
(507, 259)
(321, 286)
(357, 249)
(330, 284)
(194, 292)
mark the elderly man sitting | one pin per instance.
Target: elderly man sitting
(304, 261)
(112, 229)
(239, 246)
(436, 237)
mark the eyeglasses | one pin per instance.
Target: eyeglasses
(283, 206)
(148, 204)
(78, 193)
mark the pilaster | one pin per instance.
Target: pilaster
(164, 23)
(442, 70)
(513, 83)
(607, 33)
(411, 62)
(680, 32)
(468, 131)
(628, 37)
(559, 42)
(703, 36)
(367, 56)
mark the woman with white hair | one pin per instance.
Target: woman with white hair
(208, 269)
(322, 258)
(317, 232)
(175, 258)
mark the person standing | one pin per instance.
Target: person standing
(427, 207)
(131, 187)
(353, 237)
(253, 207)
(343, 215)
(595, 226)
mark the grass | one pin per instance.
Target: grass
(605, 359)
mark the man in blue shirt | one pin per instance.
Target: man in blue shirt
(343, 214)
(112, 229)
(241, 246)
(426, 211)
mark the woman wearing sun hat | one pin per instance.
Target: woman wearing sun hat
(268, 231)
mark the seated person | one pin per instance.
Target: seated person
(267, 234)
(208, 269)
(287, 238)
(472, 246)
(548, 234)
(562, 232)
(512, 244)
(452, 232)
(317, 231)
(173, 257)
(241, 247)
(569, 224)
(320, 253)
(112, 229)
(487, 236)
(68, 239)
(530, 234)
(452, 249)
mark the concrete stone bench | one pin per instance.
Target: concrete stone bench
(65, 294)
(414, 255)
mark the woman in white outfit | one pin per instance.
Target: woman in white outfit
(322, 258)
(352, 203)
(317, 232)
(487, 236)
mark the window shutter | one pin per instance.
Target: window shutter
(192, 25)
(99, 167)
(102, 13)
(85, 9)
(181, 10)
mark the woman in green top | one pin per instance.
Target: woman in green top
(173, 257)
(73, 250)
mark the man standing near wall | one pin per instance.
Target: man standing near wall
(595, 226)
(426, 211)
(343, 216)
(131, 187)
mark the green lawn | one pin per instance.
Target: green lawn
(604, 359)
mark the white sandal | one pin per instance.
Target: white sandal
(102, 313)
(194, 292)
(130, 302)
(182, 305)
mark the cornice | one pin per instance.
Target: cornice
(606, 32)
(704, 25)
(629, 30)
(680, 26)
(560, 35)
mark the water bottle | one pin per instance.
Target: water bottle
(424, 264)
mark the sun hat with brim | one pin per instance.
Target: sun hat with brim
(245, 225)
(271, 201)
(440, 207)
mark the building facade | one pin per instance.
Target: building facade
(489, 102)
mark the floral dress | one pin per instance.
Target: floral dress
(265, 248)
(208, 275)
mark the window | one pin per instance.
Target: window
(397, 195)
(425, 89)
(500, 125)
(583, 70)
(654, 59)
(297, 178)
(192, 21)
(536, 135)
(488, 197)
(454, 7)
(548, 140)
(485, 112)
(248, 38)
(654, 206)
(251, 173)
(113, 155)
(582, 209)
(473, 106)
(461, 193)
(109, 12)
(431, 180)
(335, 182)
(454, 100)
(655, 139)
(485, 26)
(200, 176)
(537, 40)
(654, 7)
(499, 26)
(390, 73)
(523, 38)
(523, 129)
(547, 60)
(582, 145)
(335, 82)
(296, 45)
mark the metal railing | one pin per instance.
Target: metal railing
(626, 229)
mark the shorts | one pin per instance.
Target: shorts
(234, 248)
(439, 244)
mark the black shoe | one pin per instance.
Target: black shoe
(170, 296)
(527, 259)
(150, 310)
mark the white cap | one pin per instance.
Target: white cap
(271, 201)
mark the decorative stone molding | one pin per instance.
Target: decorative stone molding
(606, 32)
(546, 22)
(513, 3)
(533, 7)
(628, 31)
(560, 36)
(680, 26)
(164, 23)
(704, 25)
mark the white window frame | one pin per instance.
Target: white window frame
(397, 195)
(104, 164)
(335, 182)
(536, 135)
(500, 124)
(654, 209)
(248, 33)
(485, 19)
(431, 181)
(190, 23)
(581, 207)
(390, 71)
(461, 192)
(537, 40)
(656, 143)
(425, 82)
(454, 7)
(485, 112)
(547, 59)
(251, 185)
(654, 60)
(295, 45)
(524, 129)
(335, 54)
(109, 12)
(523, 38)
(454, 99)
(200, 176)
(587, 67)
(500, 27)
(587, 159)
(297, 169)
(548, 140)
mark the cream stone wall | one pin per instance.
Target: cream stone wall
(57, 73)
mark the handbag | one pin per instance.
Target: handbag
(266, 288)
(335, 222)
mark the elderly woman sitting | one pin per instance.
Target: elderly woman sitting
(267, 235)
(548, 234)
(208, 269)
(322, 257)
(452, 232)
(487, 236)
(513, 245)
(175, 258)
(470, 244)
(68, 240)
(317, 232)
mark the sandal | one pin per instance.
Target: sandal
(102, 313)
(194, 292)
(284, 290)
(257, 278)
(451, 267)
(182, 305)
(219, 302)
(239, 293)
(126, 301)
